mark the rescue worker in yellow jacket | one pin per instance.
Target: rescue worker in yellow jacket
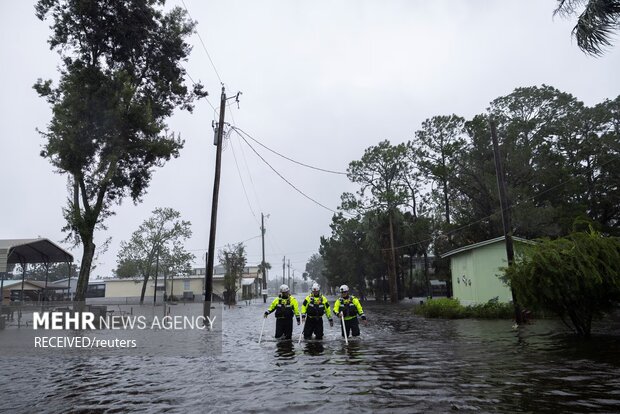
(350, 307)
(285, 306)
(313, 308)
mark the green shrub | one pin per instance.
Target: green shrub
(493, 309)
(441, 308)
(447, 308)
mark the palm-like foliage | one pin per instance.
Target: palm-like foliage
(596, 24)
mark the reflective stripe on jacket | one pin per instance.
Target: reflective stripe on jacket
(350, 307)
(284, 308)
(316, 306)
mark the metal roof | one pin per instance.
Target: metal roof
(18, 283)
(482, 243)
(26, 251)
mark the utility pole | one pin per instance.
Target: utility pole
(283, 267)
(506, 219)
(216, 191)
(289, 272)
(262, 232)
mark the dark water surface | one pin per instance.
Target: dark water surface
(402, 363)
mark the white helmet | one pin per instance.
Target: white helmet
(344, 288)
(284, 289)
(316, 287)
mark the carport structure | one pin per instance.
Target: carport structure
(30, 251)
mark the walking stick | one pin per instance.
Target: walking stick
(302, 331)
(344, 330)
(261, 330)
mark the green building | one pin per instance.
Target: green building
(475, 270)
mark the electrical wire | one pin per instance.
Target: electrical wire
(220, 247)
(203, 45)
(247, 168)
(282, 177)
(288, 158)
(194, 83)
(242, 183)
(243, 154)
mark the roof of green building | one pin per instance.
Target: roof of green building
(482, 243)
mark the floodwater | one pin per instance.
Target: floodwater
(402, 363)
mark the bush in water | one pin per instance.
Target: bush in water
(452, 309)
(577, 277)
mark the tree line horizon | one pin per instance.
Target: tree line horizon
(438, 191)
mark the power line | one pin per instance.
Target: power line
(240, 176)
(245, 161)
(242, 183)
(282, 177)
(219, 247)
(288, 158)
(206, 99)
(272, 242)
(203, 45)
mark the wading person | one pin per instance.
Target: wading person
(312, 310)
(285, 307)
(350, 307)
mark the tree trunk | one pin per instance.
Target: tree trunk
(147, 274)
(429, 293)
(392, 267)
(88, 253)
(144, 283)
(446, 201)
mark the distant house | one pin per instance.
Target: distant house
(11, 291)
(475, 270)
(250, 281)
(417, 263)
(35, 290)
(95, 288)
(187, 287)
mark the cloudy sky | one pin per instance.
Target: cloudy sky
(321, 82)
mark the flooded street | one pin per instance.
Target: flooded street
(402, 363)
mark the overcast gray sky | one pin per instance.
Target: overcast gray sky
(321, 82)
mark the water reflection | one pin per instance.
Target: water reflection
(285, 349)
(354, 350)
(314, 348)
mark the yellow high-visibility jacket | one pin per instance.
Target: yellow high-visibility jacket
(350, 307)
(316, 307)
(284, 308)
